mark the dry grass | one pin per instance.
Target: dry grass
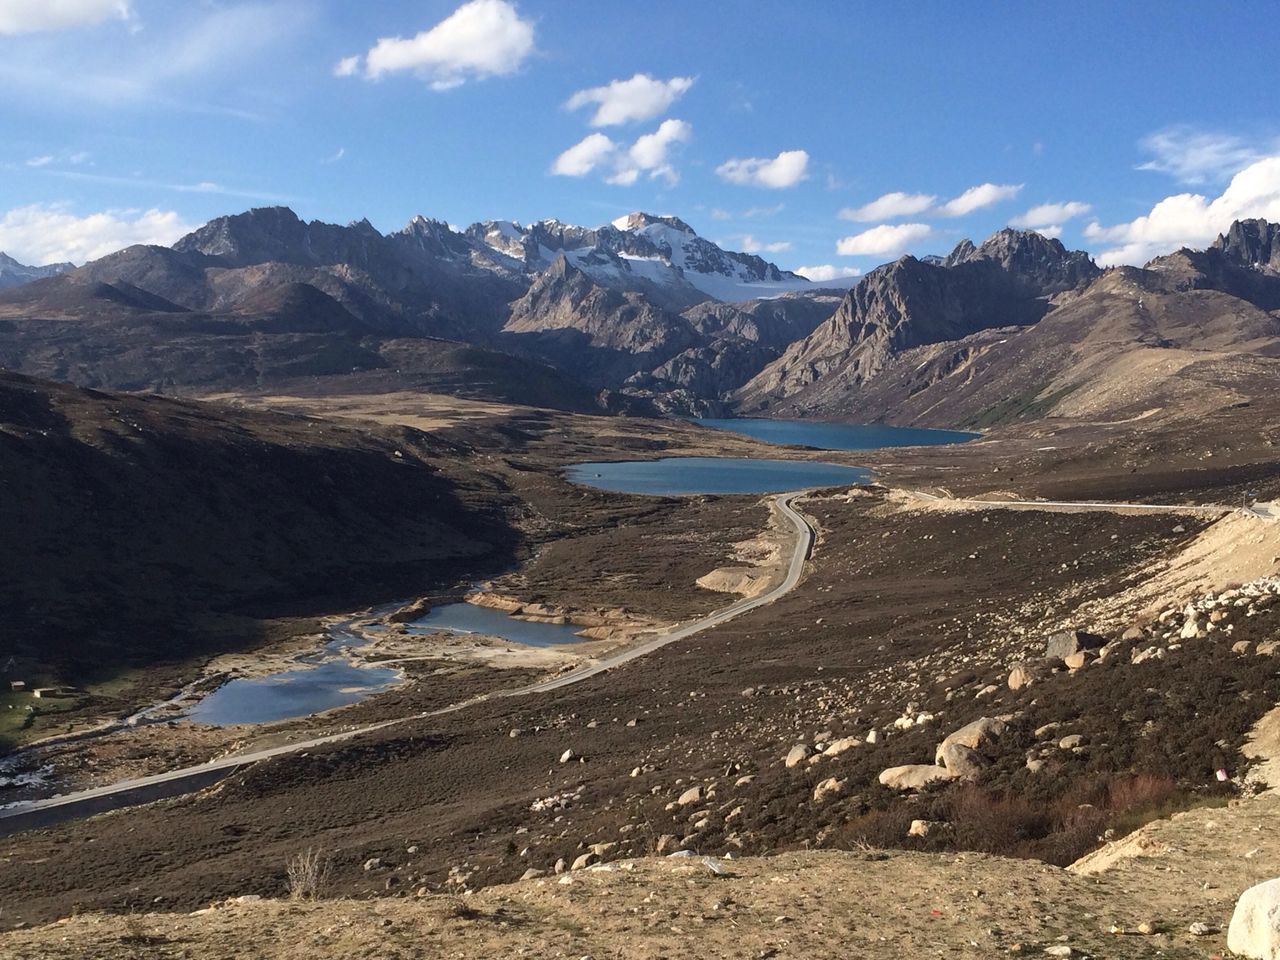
(310, 874)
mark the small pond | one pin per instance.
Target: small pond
(468, 618)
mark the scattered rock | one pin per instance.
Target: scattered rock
(692, 795)
(963, 763)
(798, 754)
(913, 776)
(1066, 642)
(829, 787)
(981, 735)
(1027, 672)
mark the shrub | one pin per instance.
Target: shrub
(309, 873)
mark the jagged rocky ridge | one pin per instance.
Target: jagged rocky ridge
(642, 314)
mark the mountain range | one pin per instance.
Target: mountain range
(645, 315)
(14, 274)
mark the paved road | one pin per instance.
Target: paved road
(174, 782)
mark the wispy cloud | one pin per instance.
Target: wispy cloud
(171, 64)
(749, 244)
(890, 206)
(1195, 156)
(1051, 214)
(977, 198)
(200, 186)
(39, 16)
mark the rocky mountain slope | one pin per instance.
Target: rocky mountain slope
(265, 297)
(14, 274)
(910, 303)
(1037, 332)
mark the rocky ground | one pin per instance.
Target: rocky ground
(1167, 891)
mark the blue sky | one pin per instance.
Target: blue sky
(1128, 129)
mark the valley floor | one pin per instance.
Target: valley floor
(906, 610)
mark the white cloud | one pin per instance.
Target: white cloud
(1047, 214)
(884, 240)
(651, 153)
(48, 233)
(1190, 219)
(1196, 156)
(482, 38)
(628, 101)
(43, 161)
(623, 165)
(890, 207)
(976, 198)
(589, 153)
(718, 214)
(335, 156)
(749, 244)
(31, 16)
(347, 67)
(826, 272)
(785, 170)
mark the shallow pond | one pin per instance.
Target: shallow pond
(468, 618)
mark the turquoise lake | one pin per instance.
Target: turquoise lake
(678, 476)
(837, 436)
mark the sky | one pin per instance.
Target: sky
(825, 136)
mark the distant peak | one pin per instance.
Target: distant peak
(1255, 243)
(639, 220)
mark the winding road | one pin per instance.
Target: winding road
(172, 783)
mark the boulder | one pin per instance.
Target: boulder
(913, 776)
(1062, 644)
(1072, 741)
(1268, 648)
(963, 763)
(837, 747)
(1079, 659)
(1242, 646)
(1255, 925)
(1192, 629)
(798, 754)
(829, 787)
(586, 860)
(1027, 672)
(1133, 633)
(692, 795)
(980, 735)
